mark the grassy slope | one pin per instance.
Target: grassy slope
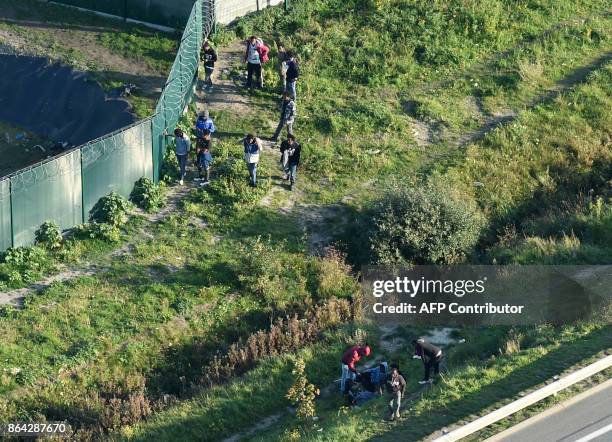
(556, 41)
(161, 308)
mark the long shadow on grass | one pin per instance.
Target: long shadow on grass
(549, 365)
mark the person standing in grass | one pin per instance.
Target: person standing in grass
(252, 150)
(348, 369)
(290, 158)
(253, 59)
(396, 385)
(204, 158)
(282, 66)
(182, 148)
(430, 355)
(287, 116)
(209, 57)
(293, 73)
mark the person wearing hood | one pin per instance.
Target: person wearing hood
(349, 359)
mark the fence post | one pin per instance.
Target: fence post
(286, 5)
(11, 210)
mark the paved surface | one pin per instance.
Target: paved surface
(586, 417)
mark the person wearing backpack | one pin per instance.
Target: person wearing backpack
(209, 57)
(287, 117)
(256, 54)
(252, 150)
(290, 158)
(204, 158)
(202, 124)
(182, 148)
(293, 73)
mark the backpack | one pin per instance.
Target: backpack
(263, 52)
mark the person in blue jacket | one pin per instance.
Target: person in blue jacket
(204, 123)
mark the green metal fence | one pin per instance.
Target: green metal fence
(65, 188)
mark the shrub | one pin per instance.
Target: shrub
(271, 275)
(111, 209)
(21, 256)
(332, 276)
(105, 232)
(422, 225)
(284, 336)
(302, 393)
(148, 195)
(49, 235)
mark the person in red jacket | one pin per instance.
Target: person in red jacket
(349, 359)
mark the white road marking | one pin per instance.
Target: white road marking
(595, 434)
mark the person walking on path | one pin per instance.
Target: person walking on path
(290, 159)
(204, 158)
(396, 385)
(209, 57)
(293, 73)
(348, 369)
(252, 150)
(253, 59)
(182, 148)
(430, 355)
(287, 116)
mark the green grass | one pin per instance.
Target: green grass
(158, 314)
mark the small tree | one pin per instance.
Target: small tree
(423, 225)
(302, 393)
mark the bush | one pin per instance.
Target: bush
(22, 256)
(49, 235)
(105, 232)
(332, 276)
(148, 196)
(422, 225)
(302, 393)
(111, 209)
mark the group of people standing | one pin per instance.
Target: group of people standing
(374, 380)
(256, 54)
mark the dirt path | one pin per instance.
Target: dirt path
(16, 297)
(226, 94)
(427, 133)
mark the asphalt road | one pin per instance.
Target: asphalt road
(586, 417)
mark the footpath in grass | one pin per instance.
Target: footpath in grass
(226, 259)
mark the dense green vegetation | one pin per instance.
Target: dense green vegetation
(134, 340)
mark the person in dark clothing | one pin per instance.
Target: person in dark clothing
(204, 158)
(209, 57)
(430, 355)
(287, 117)
(293, 73)
(349, 371)
(396, 385)
(290, 158)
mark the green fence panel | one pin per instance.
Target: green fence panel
(50, 191)
(115, 163)
(6, 235)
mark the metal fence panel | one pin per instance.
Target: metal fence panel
(48, 192)
(115, 163)
(6, 235)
